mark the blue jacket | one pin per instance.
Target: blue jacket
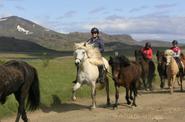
(97, 42)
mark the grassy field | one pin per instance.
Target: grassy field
(56, 76)
(55, 83)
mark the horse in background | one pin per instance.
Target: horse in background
(161, 67)
(127, 74)
(148, 69)
(20, 79)
(87, 58)
(172, 69)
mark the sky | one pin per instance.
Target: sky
(142, 19)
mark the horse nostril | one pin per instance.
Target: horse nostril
(76, 63)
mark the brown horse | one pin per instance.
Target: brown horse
(20, 79)
(161, 67)
(148, 69)
(125, 73)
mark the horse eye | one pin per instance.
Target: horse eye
(83, 52)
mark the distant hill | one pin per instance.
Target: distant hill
(8, 44)
(23, 29)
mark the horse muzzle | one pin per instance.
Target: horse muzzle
(77, 62)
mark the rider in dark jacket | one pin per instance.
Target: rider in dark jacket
(97, 42)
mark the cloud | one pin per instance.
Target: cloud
(68, 14)
(154, 26)
(138, 9)
(165, 6)
(20, 8)
(97, 10)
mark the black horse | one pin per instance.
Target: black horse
(21, 79)
(127, 74)
(148, 69)
(161, 67)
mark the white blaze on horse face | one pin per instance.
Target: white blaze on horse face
(80, 55)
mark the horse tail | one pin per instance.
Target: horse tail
(34, 92)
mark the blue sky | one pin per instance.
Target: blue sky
(142, 19)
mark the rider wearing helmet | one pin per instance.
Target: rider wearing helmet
(177, 52)
(95, 39)
(98, 43)
(147, 51)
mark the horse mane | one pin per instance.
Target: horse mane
(124, 61)
(93, 53)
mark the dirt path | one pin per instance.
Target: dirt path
(158, 106)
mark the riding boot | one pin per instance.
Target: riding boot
(75, 81)
(101, 74)
(179, 65)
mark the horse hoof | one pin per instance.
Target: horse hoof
(115, 107)
(134, 105)
(131, 98)
(128, 102)
(73, 98)
(92, 107)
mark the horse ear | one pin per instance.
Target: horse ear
(85, 44)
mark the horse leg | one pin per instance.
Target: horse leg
(172, 80)
(107, 90)
(162, 82)
(131, 97)
(127, 95)
(116, 95)
(75, 87)
(134, 88)
(181, 78)
(21, 110)
(93, 95)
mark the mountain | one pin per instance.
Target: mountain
(23, 29)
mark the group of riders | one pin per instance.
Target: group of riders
(146, 51)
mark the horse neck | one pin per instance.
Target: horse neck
(173, 63)
(86, 65)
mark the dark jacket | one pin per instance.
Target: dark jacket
(97, 42)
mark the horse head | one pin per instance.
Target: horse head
(160, 57)
(116, 63)
(139, 56)
(168, 55)
(80, 55)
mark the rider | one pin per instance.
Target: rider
(177, 52)
(98, 43)
(147, 51)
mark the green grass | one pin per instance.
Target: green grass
(55, 81)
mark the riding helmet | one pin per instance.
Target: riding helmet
(95, 30)
(175, 42)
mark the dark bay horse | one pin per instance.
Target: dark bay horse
(127, 74)
(161, 67)
(20, 79)
(148, 69)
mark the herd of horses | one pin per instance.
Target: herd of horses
(21, 79)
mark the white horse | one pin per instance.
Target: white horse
(87, 58)
(172, 69)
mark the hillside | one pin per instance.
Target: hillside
(23, 29)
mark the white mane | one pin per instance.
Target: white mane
(93, 53)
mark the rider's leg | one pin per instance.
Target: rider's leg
(101, 74)
(179, 64)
